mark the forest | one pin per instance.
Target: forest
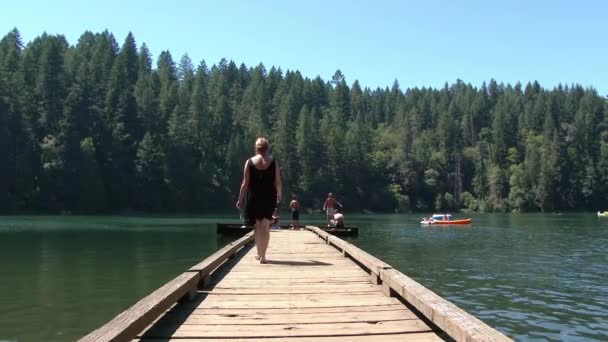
(98, 127)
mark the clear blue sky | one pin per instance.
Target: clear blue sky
(419, 43)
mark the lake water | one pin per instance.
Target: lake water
(531, 276)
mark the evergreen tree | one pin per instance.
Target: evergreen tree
(149, 166)
(123, 124)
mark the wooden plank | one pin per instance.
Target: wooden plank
(256, 289)
(294, 281)
(287, 263)
(291, 274)
(288, 330)
(212, 296)
(287, 291)
(303, 311)
(287, 304)
(271, 268)
(410, 337)
(292, 265)
(314, 255)
(289, 318)
(295, 300)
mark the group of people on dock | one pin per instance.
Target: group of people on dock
(332, 208)
(262, 185)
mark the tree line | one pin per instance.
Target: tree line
(97, 127)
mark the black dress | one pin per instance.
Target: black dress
(262, 194)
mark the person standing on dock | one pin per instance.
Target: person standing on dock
(262, 183)
(329, 207)
(294, 207)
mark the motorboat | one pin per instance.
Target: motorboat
(444, 219)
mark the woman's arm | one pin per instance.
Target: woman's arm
(244, 185)
(278, 185)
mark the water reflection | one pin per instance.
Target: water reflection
(69, 275)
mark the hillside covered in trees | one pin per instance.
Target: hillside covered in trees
(99, 127)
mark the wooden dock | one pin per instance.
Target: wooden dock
(316, 287)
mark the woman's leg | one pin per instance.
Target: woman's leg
(262, 232)
(256, 237)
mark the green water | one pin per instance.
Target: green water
(533, 277)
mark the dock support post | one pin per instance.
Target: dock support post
(205, 280)
(388, 291)
(375, 279)
(188, 296)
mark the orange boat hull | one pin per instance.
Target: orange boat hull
(465, 221)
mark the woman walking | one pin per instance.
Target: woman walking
(262, 183)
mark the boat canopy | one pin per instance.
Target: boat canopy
(441, 217)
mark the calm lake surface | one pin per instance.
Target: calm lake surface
(531, 276)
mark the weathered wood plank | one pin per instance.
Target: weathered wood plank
(294, 281)
(291, 318)
(410, 337)
(291, 274)
(288, 330)
(310, 303)
(303, 311)
(314, 288)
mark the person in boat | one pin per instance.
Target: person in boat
(329, 207)
(262, 184)
(274, 224)
(337, 220)
(294, 207)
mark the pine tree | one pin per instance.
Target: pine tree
(149, 166)
(123, 124)
(13, 137)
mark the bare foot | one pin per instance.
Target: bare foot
(263, 261)
(257, 257)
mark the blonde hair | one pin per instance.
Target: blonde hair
(261, 145)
